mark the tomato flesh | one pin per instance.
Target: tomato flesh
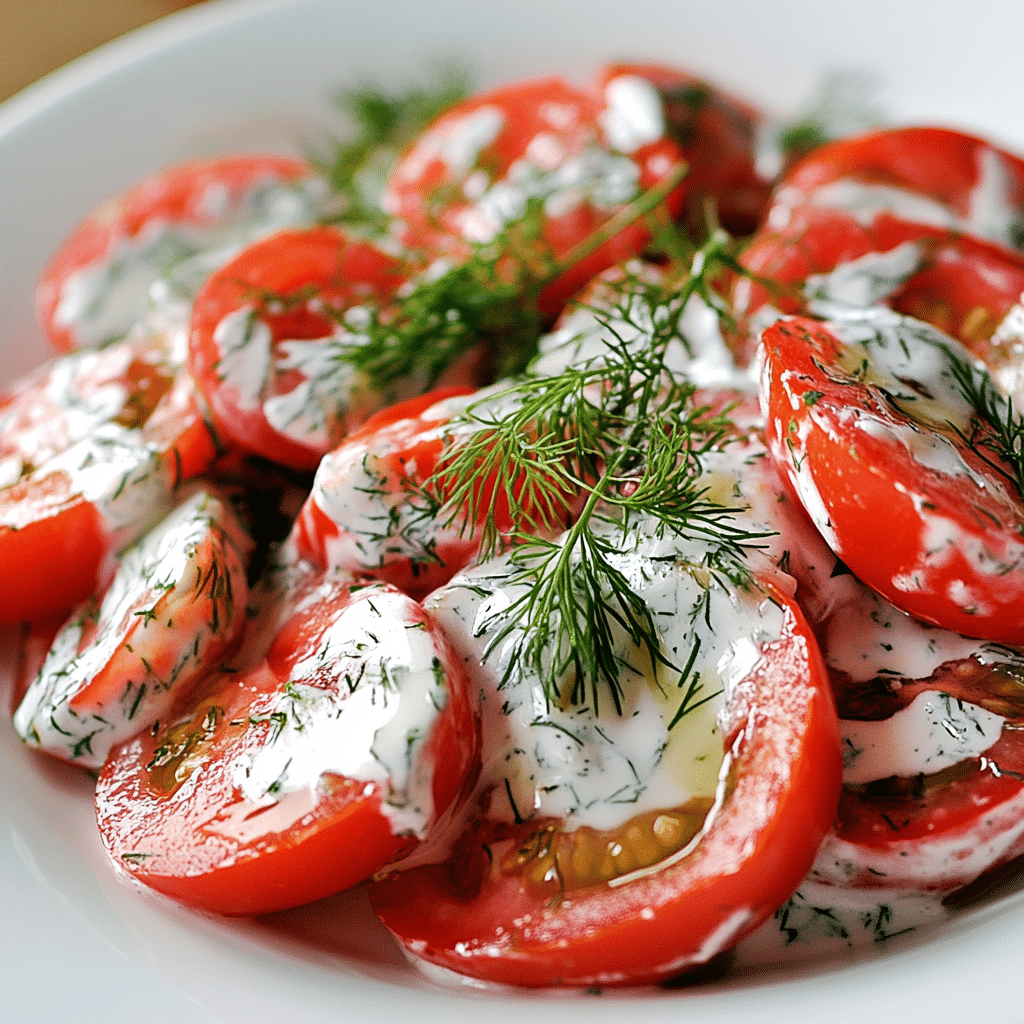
(173, 805)
(487, 911)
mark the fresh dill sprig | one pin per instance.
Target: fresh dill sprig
(996, 435)
(489, 299)
(595, 446)
(383, 124)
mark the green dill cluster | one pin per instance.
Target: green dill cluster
(589, 451)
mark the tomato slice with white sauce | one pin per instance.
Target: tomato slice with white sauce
(302, 772)
(625, 840)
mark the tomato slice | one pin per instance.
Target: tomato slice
(367, 511)
(931, 176)
(482, 166)
(96, 287)
(583, 870)
(267, 333)
(175, 607)
(967, 287)
(304, 771)
(718, 136)
(875, 434)
(92, 447)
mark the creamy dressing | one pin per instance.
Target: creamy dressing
(619, 315)
(175, 603)
(329, 396)
(362, 705)
(167, 262)
(990, 211)
(934, 732)
(583, 762)
(633, 115)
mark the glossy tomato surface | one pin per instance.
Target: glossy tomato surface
(267, 336)
(493, 910)
(903, 497)
(193, 197)
(533, 160)
(278, 785)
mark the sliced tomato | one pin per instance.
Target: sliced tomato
(175, 607)
(95, 288)
(933, 832)
(965, 286)
(932, 176)
(874, 434)
(267, 336)
(92, 447)
(306, 770)
(528, 899)
(718, 135)
(482, 166)
(368, 511)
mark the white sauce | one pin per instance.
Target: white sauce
(154, 636)
(935, 731)
(585, 763)
(166, 263)
(362, 706)
(633, 115)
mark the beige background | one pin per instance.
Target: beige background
(37, 36)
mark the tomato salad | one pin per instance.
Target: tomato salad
(602, 552)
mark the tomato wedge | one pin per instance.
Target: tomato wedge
(887, 433)
(175, 607)
(96, 287)
(582, 868)
(268, 330)
(304, 771)
(485, 164)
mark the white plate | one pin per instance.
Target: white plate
(78, 945)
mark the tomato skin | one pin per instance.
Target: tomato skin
(170, 806)
(85, 432)
(949, 552)
(381, 466)
(308, 269)
(786, 777)
(718, 137)
(962, 285)
(197, 193)
(530, 128)
(940, 164)
(936, 841)
(48, 534)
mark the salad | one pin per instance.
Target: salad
(497, 525)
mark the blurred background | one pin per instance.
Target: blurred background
(37, 36)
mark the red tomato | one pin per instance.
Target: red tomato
(964, 286)
(718, 135)
(970, 184)
(174, 609)
(92, 447)
(939, 831)
(363, 515)
(910, 507)
(477, 168)
(199, 195)
(304, 773)
(506, 906)
(264, 348)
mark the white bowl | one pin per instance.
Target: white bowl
(79, 945)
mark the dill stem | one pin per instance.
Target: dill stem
(630, 213)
